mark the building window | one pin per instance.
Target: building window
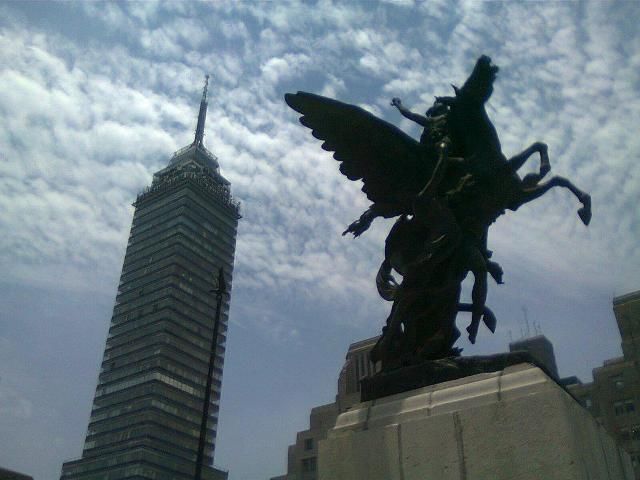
(635, 432)
(625, 435)
(309, 464)
(618, 408)
(629, 406)
(625, 406)
(618, 382)
(587, 402)
(308, 444)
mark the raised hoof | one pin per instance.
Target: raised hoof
(497, 276)
(490, 321)
(585, 212)
(496, 272)
(585, 215)
(473, 332)
(356, 228)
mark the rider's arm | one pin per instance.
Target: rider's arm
(419, 119)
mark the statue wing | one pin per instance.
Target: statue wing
(391, 164)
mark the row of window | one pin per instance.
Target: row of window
(121, 385)
(182, 198)
(190, 318)
(142, 418)
(309, 464)
(194, 335)
(122, 332)
(145, 391)
(135, 268)
(204, 182)
(184, 372)
(159, 347)
(628, 434)
(177, 262)
(166, 466)
(200, 342)
(183, 226)
(135, 308)
(158, 251)
(161, 339)
(624, 407)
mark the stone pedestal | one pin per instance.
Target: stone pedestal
(516, 424)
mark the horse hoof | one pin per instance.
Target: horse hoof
(585, 215)
(585, 212)
(473, 332)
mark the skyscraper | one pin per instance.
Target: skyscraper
(149, 402)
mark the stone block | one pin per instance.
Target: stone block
(516, 424)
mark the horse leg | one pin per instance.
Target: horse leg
(525, 195)
(478, 266)
(382, 350)
(518, 160)
(488, 317)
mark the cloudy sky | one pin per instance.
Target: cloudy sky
(95, 97)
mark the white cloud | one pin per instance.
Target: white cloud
(98, 118)
(83, 125)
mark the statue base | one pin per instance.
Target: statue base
(431, 372)
(516, 423)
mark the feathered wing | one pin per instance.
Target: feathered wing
(392, 165)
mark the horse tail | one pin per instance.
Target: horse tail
(387, 285)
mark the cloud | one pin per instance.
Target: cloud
(89, 115)
(104, 118)
(13, 405)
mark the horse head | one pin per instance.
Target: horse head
(479, 85)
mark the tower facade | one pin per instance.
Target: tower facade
(150, 399)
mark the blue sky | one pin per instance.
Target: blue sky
(95, 97)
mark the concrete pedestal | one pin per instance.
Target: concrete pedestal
(516, 424)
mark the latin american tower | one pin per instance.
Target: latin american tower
(151, 398)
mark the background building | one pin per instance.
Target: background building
(614, 395)
(302, 457)
(540, 348)
(149, 402)
(11, 475)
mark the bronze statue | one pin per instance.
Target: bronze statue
(446, 190)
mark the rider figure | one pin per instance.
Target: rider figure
(434, 121)
(473, 251)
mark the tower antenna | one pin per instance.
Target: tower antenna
(202, 114)
(527, 330)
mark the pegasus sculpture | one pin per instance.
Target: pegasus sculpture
(446, 190)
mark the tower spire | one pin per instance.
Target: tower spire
(202, 115)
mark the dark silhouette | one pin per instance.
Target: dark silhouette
(446, 190)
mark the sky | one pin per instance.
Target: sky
(95, 97)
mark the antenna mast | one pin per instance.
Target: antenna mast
(202, 115)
